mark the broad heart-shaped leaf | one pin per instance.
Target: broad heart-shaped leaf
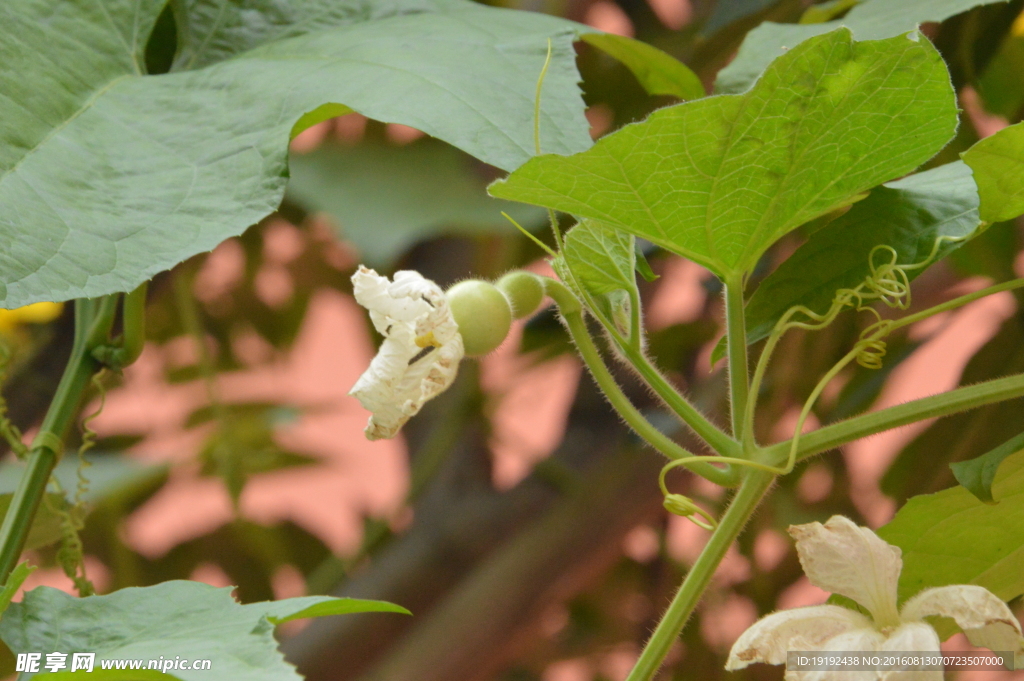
(951, 537)
(210, 31)
(176, 618)
(869, 20)
(998, 165)
(659, 73)
(978, 474)
(908, 215)
(384, 198)
(108, 176)
(720, 179)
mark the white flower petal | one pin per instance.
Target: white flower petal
(420, 355)
(982, 615)
(771, 637)
(912, 637)
(861, 640)
(853, 561)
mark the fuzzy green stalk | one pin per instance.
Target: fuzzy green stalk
(93, 320)
(572, 313)
(752, 489)
(632, 349)
(736, 337)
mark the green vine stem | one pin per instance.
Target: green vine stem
(133, 336)
(93, 320)
(944, 404)
(752, 489)
(573, 314)
(736, 333)
(719, 441)
(755, 483)
(632, 350)
(961, 399)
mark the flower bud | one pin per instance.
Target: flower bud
(483, 314)
(524, 291)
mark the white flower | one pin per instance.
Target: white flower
(854, 562)
(420, 354)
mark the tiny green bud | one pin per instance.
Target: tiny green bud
(524, 291)
(483, 314)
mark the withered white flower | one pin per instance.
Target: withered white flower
(420, 355)
(853, 561)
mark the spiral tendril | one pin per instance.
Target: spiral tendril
(887, 282)
(70, 555)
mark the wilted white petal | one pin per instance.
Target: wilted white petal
(771, 637)
(853, 561)
(861, 640)
(982, 615)
(420, 355)
(912, 637)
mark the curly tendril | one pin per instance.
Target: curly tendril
(70, 555)
(888, 282)
(682, 505)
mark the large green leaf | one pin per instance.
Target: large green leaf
(908, 215)
(177, 618)
(108, 176)
(210, 31)
(384, 198)
(720, 179)
(869, 20)
(658, 72)
(952, 537)
(998, 165)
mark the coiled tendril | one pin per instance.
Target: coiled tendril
(887, 282)
(70, 555)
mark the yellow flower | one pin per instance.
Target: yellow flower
(37, 313)
(854, 562)
(420, 354)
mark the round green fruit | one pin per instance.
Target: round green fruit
(524, 291)
(483, 314)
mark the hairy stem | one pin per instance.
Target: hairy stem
(630, 414)
(93, 319)
(943, 404)
(719, 441)
(739, 385)
(752, 489)
(632, 349)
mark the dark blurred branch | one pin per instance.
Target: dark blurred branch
(463, 522)
(493, 615)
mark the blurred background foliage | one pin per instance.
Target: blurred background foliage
(552, 566)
